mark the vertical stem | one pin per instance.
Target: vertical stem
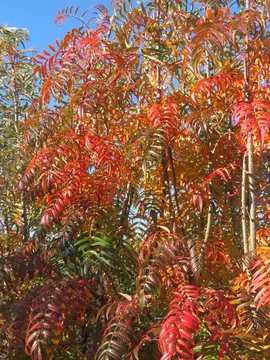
(159, 92)
(206, 236)
(166, 187)
(175, 189)
(125, 212)
(210, 207)
(6, 223)
(16, 121)
(166, 183)
(251, 172)
(252, 195)
(235, 224)
(202, 254)
(234, 220)
(191, 243)
(201, 223)
(243, 204)
(15, 98)
(25, 219)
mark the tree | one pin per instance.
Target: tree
(141, 126)
(17, 90)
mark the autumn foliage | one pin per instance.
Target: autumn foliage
(142, 224)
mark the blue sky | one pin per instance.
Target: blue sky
(38, 17)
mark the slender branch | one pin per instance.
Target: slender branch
(166, 187)
(244, 204)
(16, 121)
(201, 223)
(234, 220)
(202, 254)
(166, 183)
(251, 172)
(25, 219)
(235, 224)
(206, 236)
(175, 189)
(125, 212)
(252, 195)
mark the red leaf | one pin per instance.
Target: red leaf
(52, 47)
